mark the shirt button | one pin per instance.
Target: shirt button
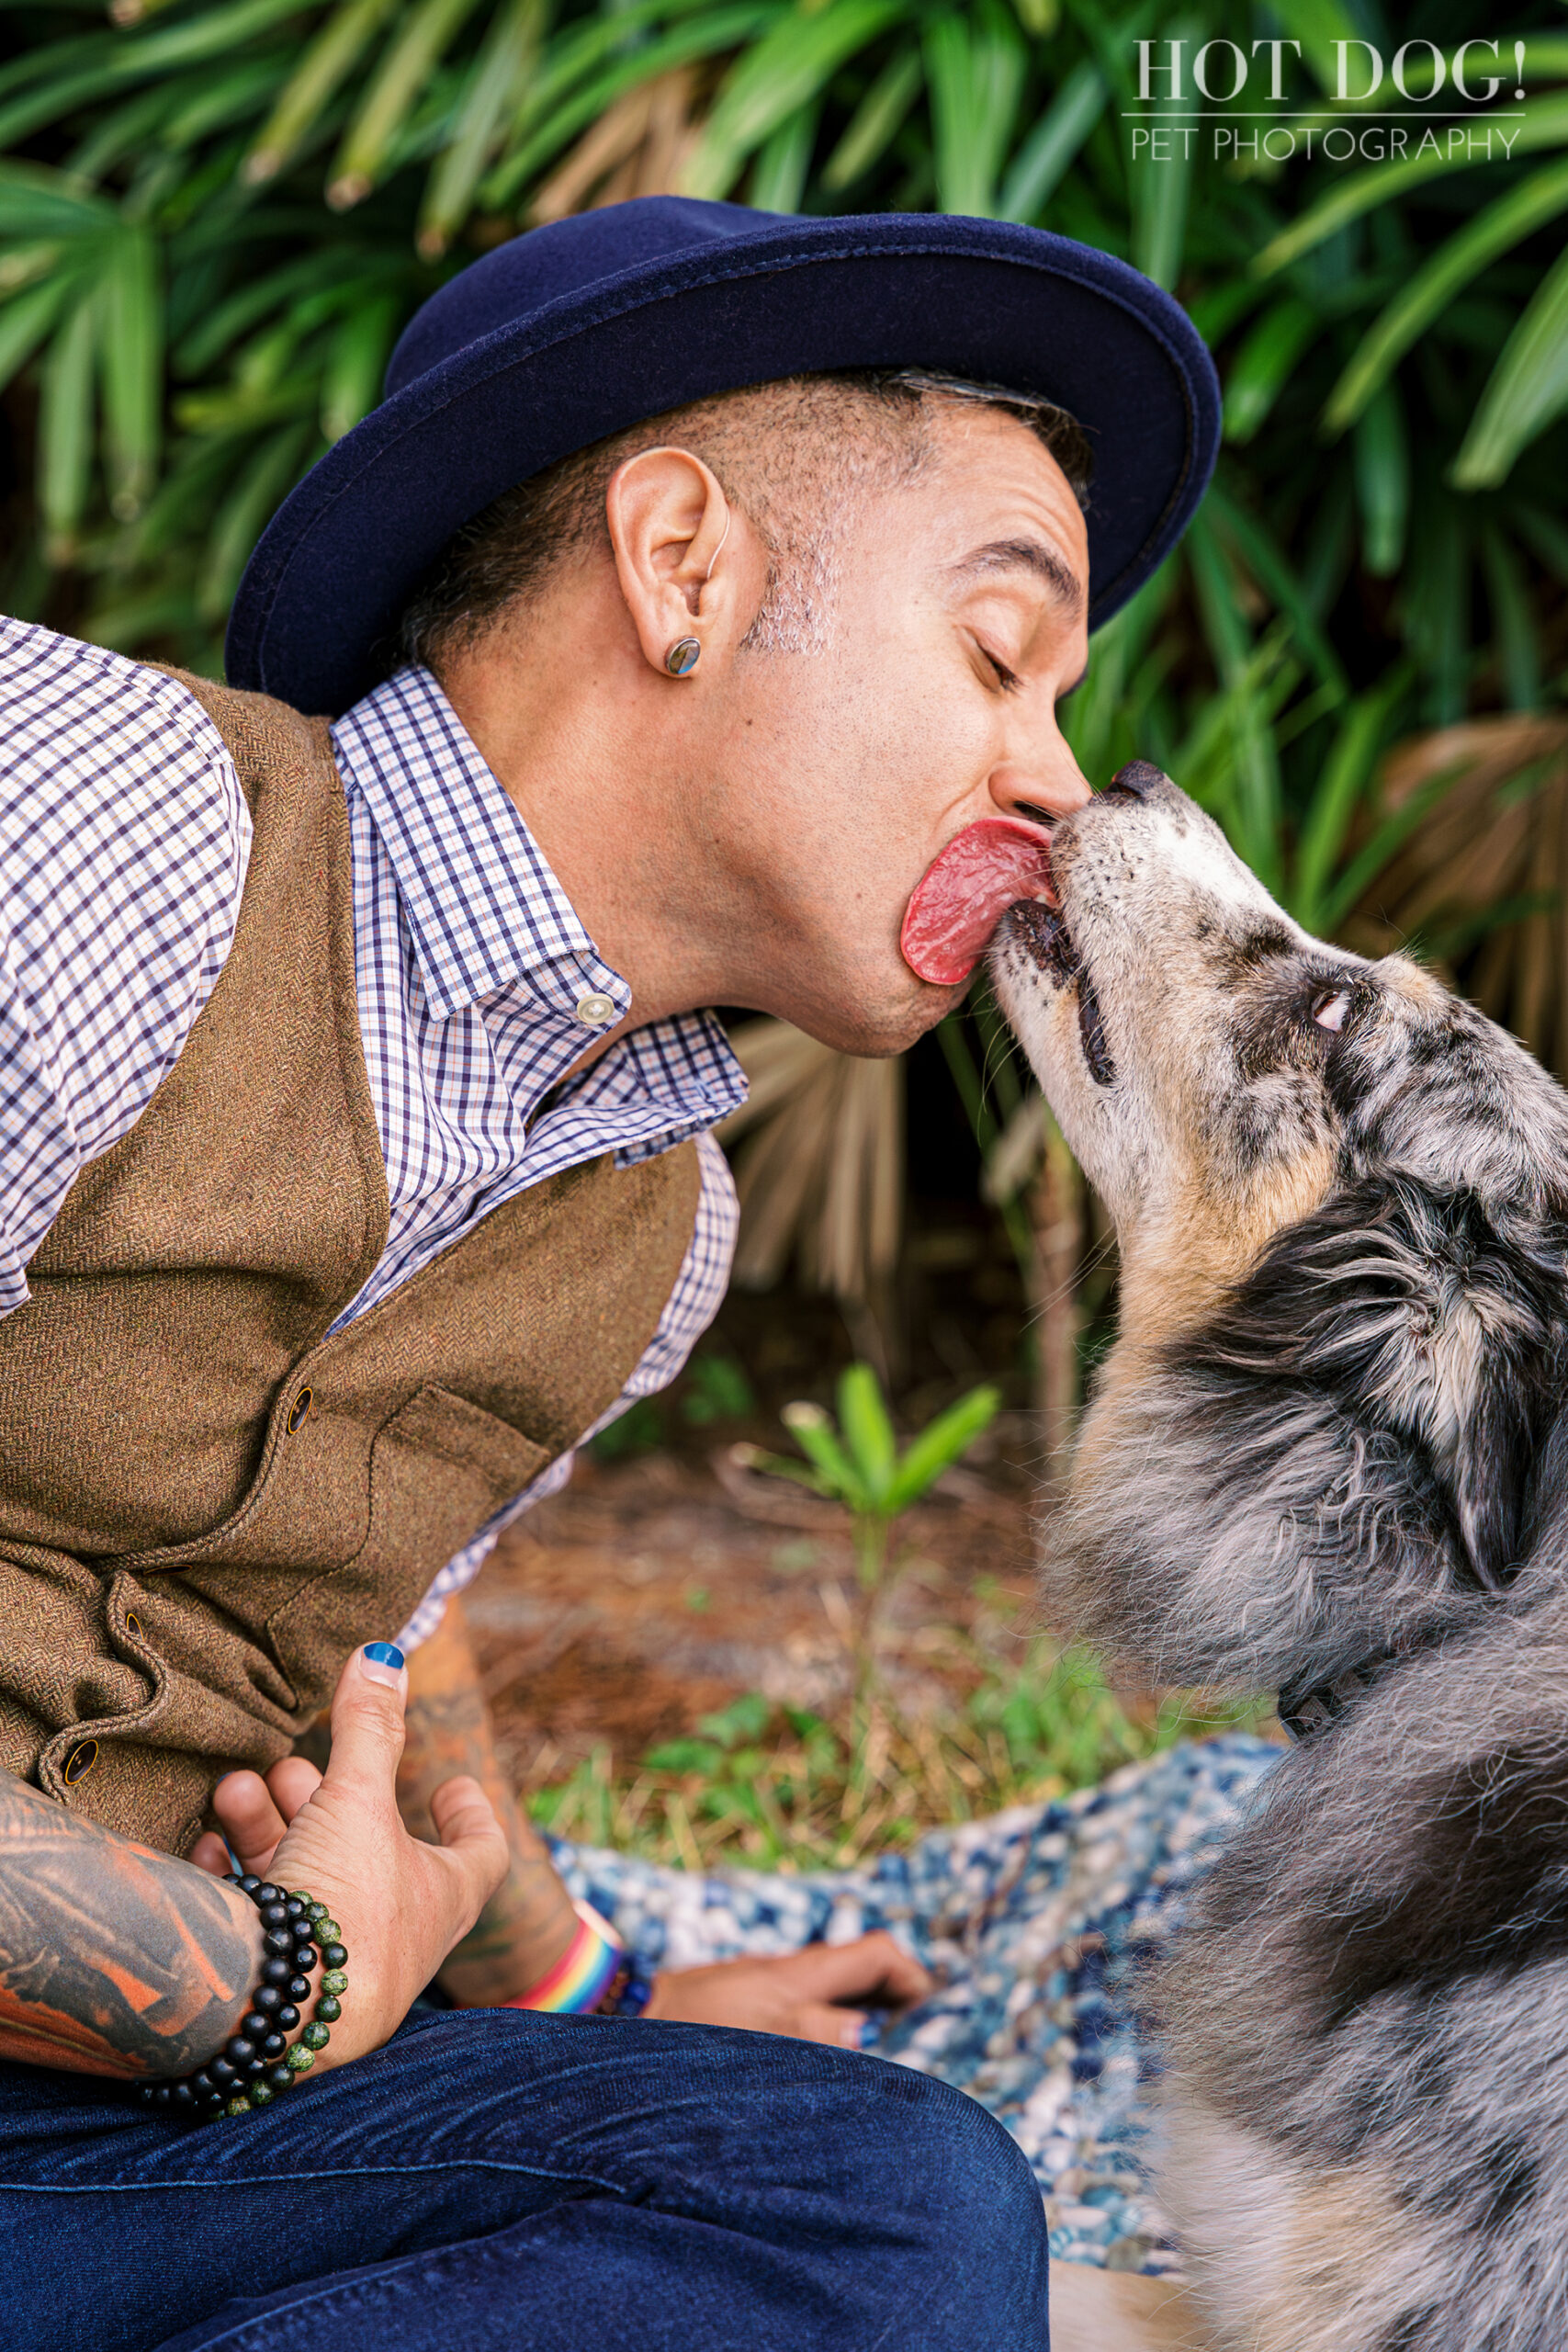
(80, 1763)
(593, 1010)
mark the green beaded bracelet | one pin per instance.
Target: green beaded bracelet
(256, 2063)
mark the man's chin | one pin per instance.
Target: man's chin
(882, 1018)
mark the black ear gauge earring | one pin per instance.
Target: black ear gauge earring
(683, 657)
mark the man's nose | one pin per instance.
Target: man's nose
(1040, 794)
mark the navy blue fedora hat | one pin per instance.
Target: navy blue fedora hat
(583, 327)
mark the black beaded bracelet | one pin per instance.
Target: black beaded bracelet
(256, 2062)
(629, 1990)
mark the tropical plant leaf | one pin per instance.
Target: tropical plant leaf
(940, 1445)
(1341, 790)
(26, 322)
(813, 1431)
(875, 122)
(974, 68)
(784, 160)
(1319, 26)
(326, 65)
(708, 34)
(1382, 482)
(132, 369)
(1257, 797)
(1161, 192)
(1362, 192)
(423, 36)
(274, 467)
(1527, 391)
(867, 1430)
(65, 426)
(351, 385)
(1387, 840)
(1269, 353)
(1517, 644)
(197, 38)
(39, 203)
(1053, 145)
(123, 131)
(34, 110)
(495, 84)
(786, 69)
(1514, 215)
(1264, 558)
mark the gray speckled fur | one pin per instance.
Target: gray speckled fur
(1334, 1427)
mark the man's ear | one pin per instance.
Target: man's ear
(690, 566)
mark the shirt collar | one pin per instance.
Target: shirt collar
(485, 912)
(483, 908)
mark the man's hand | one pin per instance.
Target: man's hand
(528, 1922)
(804, 1994)
(526, 1927)
(402, 1905)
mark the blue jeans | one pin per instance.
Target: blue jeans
(498, 2181)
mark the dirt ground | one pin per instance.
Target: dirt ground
(654, 1590)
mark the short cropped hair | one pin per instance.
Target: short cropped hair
(793, 455)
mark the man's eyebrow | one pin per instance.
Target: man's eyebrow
(1026, 555)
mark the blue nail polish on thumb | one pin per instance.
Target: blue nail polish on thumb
(384, 1654)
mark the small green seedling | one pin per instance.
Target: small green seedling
(856, 1463)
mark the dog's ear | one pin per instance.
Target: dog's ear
(1427, 1322)
(1491, 1473)
(1345, 1455)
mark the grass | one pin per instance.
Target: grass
(772, 1786)
(775, 1787)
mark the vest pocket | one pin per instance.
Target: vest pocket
(439, 1450)
(439, 1468)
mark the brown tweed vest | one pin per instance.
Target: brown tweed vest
(205, 1501)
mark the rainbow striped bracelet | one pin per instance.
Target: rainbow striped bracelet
(583, 1973)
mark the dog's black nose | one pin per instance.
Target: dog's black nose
(1136, 781)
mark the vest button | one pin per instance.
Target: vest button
(80, 1763)
(299, 1412)
(595, 1011)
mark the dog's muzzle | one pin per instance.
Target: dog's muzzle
(1041, 933)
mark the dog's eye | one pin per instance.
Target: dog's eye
(1329, 1007)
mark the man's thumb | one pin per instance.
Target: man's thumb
(368, 1714)
(464, 1815)
(465, 1824)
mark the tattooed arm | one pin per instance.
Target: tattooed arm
(116, 1959)
(113, 1960)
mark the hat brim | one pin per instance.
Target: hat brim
(986, 300)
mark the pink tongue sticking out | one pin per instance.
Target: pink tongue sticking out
(962, 895)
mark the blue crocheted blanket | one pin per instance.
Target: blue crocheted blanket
(1032, 1923)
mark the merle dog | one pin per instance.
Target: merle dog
(1329, 1457)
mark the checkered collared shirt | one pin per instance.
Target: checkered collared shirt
(124, 840)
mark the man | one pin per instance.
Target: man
(694, 588)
